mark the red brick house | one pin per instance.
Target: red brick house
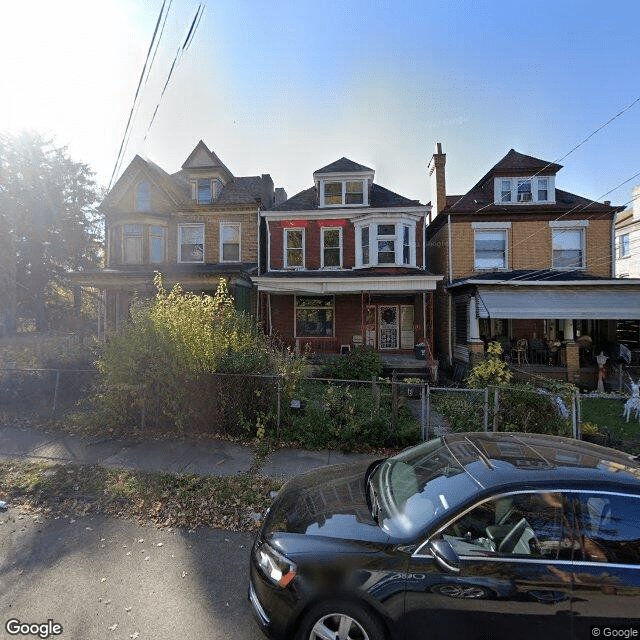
(345, 266)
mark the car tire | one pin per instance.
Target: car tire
(463, 591)
(342, 620)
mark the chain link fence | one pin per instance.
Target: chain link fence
(325, 412)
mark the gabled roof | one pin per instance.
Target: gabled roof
(307, 200)
(203, 158)
(343, 165)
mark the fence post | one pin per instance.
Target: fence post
(55, 394)
(574, 421)
(496, 407)
(422, 413)
(278, 421)
(579, 410)
(486, 409)
(394, 402)
(428, 425)
(143, 410)
(375, 386)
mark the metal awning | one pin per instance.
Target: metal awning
(574, 304)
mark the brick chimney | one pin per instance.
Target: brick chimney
(436, 174)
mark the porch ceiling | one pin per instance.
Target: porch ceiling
(575, 304)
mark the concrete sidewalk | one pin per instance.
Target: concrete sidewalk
(204, 457)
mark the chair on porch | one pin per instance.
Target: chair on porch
(519, 353)
(539, 351)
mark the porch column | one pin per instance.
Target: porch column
(572, 351)
(476, 346)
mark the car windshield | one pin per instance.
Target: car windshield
(418, 485)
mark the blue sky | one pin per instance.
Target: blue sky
(287, 87)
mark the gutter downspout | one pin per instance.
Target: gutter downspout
(613, 245)
(450, 275)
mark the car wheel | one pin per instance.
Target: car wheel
(340, 620)
(463, 591)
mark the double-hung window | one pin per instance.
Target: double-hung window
(490, 249)
(314, 316)
(381, 243)
(505, 193)
(191, 243)
(406, 244)
(568, 248)
(543, 191)
(364, 243)
(524, 191)
(342, 192)
(294, 248)
(386, 236)
(331, 247)
(230, 242)
(132, 243)
(625, 246)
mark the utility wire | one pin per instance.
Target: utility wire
(135, 99)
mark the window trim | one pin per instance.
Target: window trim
(583, 244)
(491, 229)
(131, 235)
(142, 183)
(536, 183)
(398, 239)
(624, 248)
(164, 242)
(323, 248)
(343, 181)
(285, 262)
(237, 225)
(191, 225)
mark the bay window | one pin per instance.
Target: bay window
(157, 243)
(132, 243)
(380, 242)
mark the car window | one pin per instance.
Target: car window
(610, 527)
(523, 524)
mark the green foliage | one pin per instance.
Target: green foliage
(165, 366)
(345, 417)
(462, 411)
(362, 363)
(490, 370)
(606, 415)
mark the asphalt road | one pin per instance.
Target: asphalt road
(108, 578)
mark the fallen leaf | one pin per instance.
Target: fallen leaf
(113, 627)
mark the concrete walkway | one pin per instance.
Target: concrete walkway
(204, 457)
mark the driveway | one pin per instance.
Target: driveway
(109, 578)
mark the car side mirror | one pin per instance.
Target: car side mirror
(445, 555)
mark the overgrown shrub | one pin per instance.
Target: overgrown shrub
(346, 417)
(490, 369)
(362, 363)
(164, 369)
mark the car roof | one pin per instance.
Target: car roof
(505, 460)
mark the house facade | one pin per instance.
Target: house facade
(195, 226)
(528, 264)
(345, 266)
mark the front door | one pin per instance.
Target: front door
(389, 326)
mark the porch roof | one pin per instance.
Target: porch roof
(594, 303)
(348, 281)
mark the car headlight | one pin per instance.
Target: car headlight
(279, 569)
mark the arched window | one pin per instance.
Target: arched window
(143, 196)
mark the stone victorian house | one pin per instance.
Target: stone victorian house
(344, 266)
(525, 263)
(195, 226)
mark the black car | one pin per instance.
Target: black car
(478, 535)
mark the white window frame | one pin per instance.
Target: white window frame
(191, 225)
(494, 229)
(397, 237)
(624, 245)
(537, 185)
(285, 261)
(322, 247)
(560, 226)
(343, 182)
(238, 226)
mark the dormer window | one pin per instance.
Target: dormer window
(524, 190)
(205, 190)
(335, 193)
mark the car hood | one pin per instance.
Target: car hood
(329, 503)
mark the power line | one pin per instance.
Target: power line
(135, 99)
